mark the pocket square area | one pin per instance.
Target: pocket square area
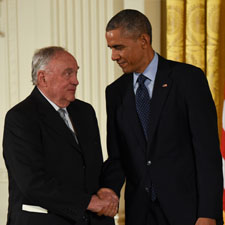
(33, 208)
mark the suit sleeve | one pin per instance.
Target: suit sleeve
(24, 157)
(113, 174)
(203, 125)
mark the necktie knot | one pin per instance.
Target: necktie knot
(141, 79)
(62, 112)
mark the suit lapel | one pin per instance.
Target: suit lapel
(160, 92)
(161, 89)
(78, 120)
(51, 118)
(54, 120)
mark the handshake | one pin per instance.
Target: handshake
(105, 202)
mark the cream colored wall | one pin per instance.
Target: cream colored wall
(78, 25)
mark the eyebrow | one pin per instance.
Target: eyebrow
(114, 46)
(69, 69)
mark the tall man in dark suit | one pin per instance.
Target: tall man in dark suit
(52, 150)
(162, 133)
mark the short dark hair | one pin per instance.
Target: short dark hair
(131, 21)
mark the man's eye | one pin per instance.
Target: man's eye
(119, 47)
(68, 73)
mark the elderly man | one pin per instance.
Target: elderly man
(52, 150)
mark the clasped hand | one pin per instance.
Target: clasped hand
(106, 202)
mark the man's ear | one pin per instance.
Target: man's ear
(145, 40)
(41, 78)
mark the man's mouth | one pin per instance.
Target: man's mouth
(72, 89)
(122, 64)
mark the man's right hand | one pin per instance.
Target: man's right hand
(106, 203)
(109, 195)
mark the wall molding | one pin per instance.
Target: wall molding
(12, 39)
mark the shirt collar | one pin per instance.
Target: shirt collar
(51, 102)
(150, 71)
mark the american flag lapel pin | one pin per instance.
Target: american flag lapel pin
(164, 85)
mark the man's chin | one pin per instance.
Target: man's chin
(71, 98)
(126, 71)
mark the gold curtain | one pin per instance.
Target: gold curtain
(195, 34)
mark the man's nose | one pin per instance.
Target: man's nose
(115, 55)
(74, 79)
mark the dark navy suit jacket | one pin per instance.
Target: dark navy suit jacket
(182, 156)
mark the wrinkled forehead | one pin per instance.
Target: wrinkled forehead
(63, 59)
(64, 56)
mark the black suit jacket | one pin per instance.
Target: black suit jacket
(47, 168)
(182, 157)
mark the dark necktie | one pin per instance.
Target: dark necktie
(62, 113)
(143, 104)
(143, 110)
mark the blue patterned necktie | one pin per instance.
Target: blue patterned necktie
(143, 104)
(143, 110)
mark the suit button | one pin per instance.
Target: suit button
(149, 163)
(85, 218)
